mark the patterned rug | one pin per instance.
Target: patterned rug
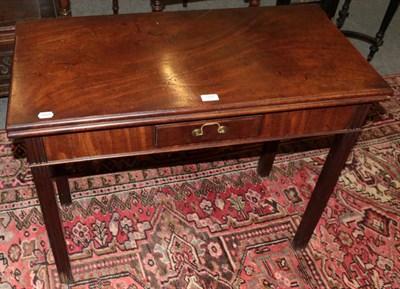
(213, 223)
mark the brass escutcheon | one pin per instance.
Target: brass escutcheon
(199, 131)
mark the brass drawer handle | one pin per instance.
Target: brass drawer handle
(199, 131)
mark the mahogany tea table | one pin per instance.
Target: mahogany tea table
(101, 87)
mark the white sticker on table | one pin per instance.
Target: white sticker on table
(209, 97)
(45, 114)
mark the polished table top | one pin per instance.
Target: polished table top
(87, 73)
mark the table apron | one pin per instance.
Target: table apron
(140, 140)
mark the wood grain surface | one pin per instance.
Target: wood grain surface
(128, 70)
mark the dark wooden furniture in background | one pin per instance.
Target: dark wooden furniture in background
(10, 12)
(158, 5)
(272, 73)
(376, 41)
(329, 6)
(64, 7)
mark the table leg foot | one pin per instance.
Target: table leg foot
(157, 5)
(44, 186)
(64, 8)
(330, 7)
(343, 14)
(115, 6)
(327, 180)
(267, 157)
(391, 10)
(254, 3)
(282, 2)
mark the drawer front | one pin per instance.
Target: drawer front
(308, 122)
(197, 134)
(87, 145)
(208, 131)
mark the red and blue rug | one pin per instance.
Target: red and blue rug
(213, 223)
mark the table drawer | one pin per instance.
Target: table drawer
(99, 144)
(197, 134)
(307, 122)
(208, 131)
